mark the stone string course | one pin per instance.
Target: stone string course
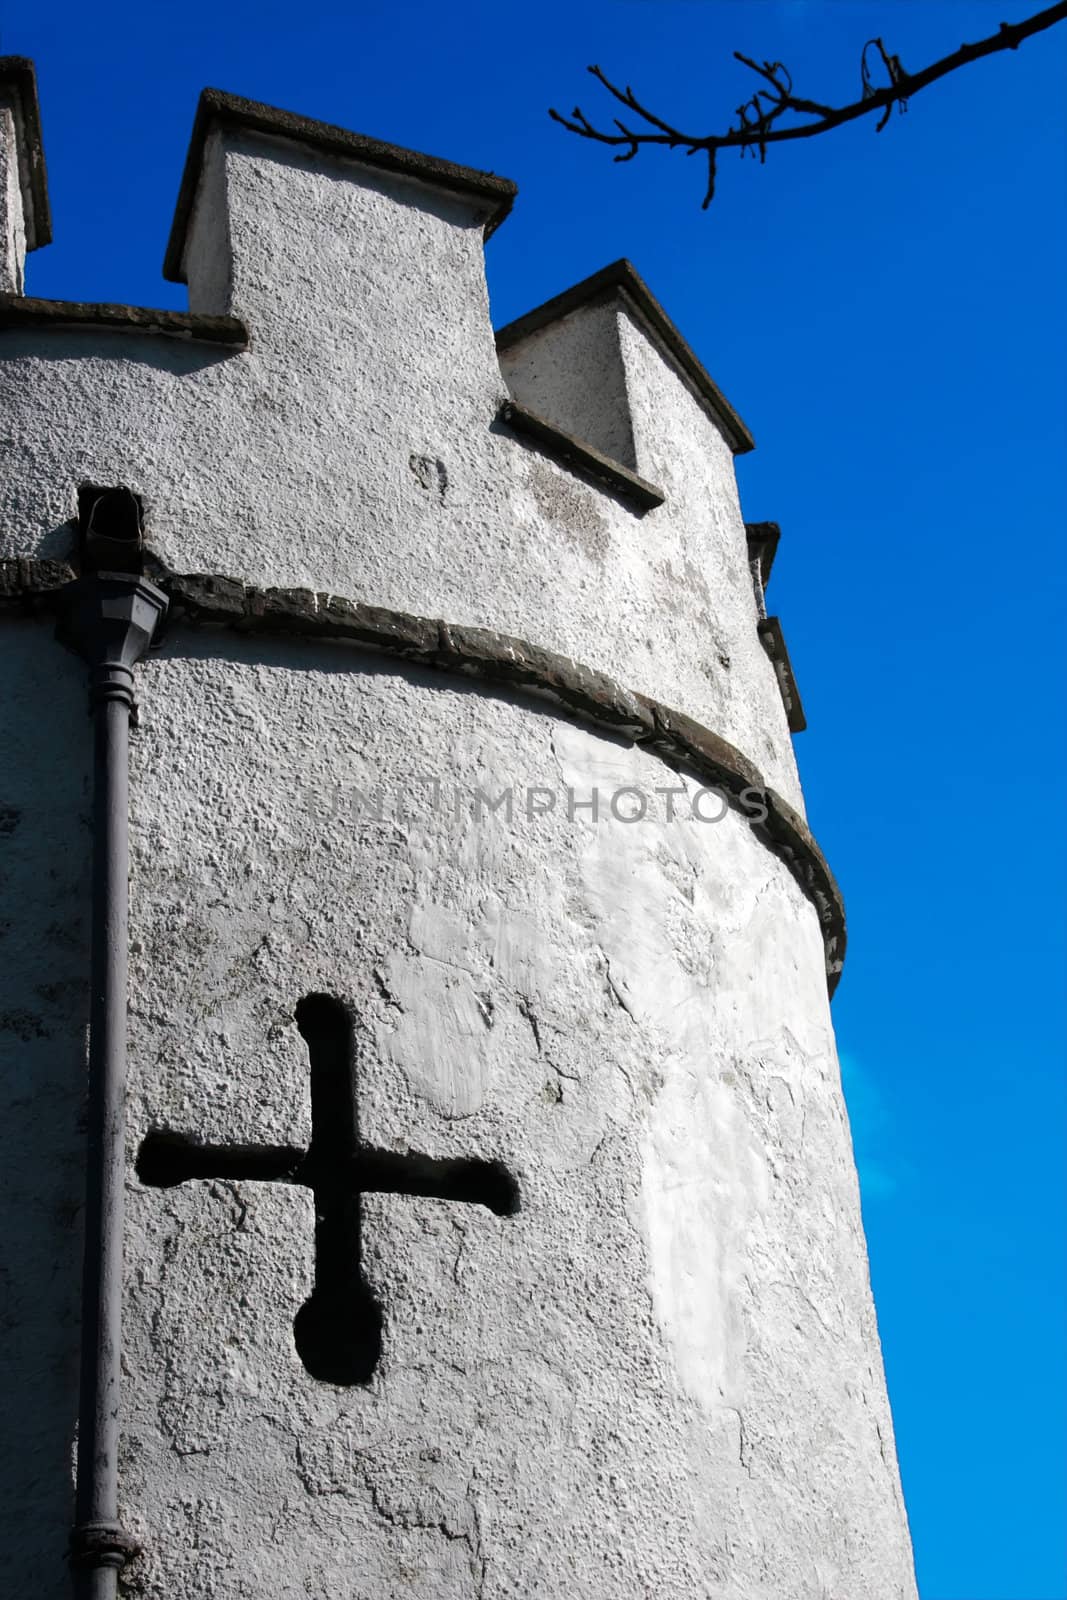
(29, 586)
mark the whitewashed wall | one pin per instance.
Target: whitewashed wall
(663, 1375)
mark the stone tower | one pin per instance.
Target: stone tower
(491, 1224)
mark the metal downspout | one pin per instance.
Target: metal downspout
(109, 619)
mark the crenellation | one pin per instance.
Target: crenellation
(319, 236)
(219, 112)
(25, 218)
(334, 264)
(12, 217)
(23, 196)
(566, 358)
(762, 540)
(206, 262)
(773, 641)
(570, 371)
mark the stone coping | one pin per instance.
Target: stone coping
(581, 458)
(22, 311)
(18, 78)
(218, 109)
(622, 281)
(201, 599)
(773, 642)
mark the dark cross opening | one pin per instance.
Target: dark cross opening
(338, 1329)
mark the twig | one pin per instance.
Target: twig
(758, 125)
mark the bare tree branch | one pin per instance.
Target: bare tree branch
(758, 123)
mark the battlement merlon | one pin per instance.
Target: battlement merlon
(25, 221)
(593, 360)
(284, 221)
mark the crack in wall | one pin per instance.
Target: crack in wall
(613, 988)
(526, 1011)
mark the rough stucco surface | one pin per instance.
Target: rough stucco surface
(571, 371)
(354, 449)
(662, 1375)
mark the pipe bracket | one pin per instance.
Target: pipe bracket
(101, 1544)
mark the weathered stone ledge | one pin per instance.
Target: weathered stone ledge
(19, 311)
(581, 458)
(773, 641)
(205, 600)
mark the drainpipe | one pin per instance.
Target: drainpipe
(109, 618)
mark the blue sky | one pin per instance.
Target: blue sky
(888, 315)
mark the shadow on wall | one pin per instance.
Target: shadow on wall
(45, 843)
